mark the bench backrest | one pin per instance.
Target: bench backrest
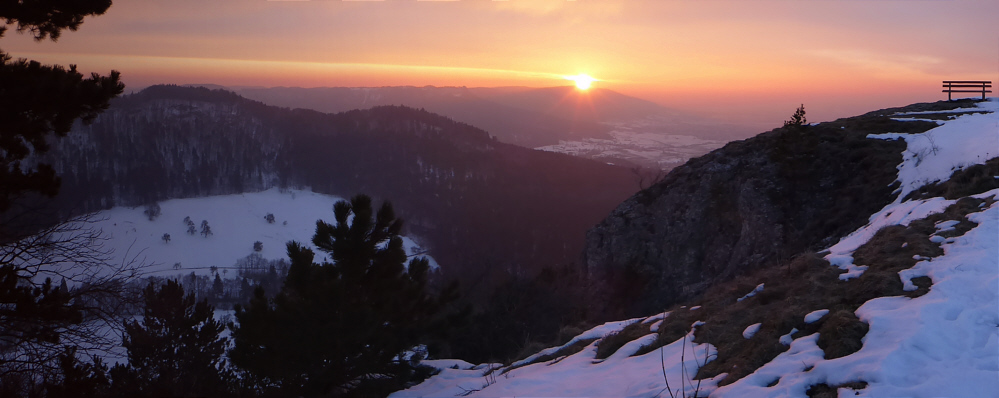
(955, 86)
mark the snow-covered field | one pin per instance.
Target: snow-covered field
(236, 221)
(944, 343)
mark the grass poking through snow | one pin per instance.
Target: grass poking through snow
(792, 290)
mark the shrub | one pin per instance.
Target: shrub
(152, 211)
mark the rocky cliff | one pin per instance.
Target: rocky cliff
(749, 204)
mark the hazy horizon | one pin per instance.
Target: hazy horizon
(749, 62)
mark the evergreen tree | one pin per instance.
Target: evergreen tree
(205, 229)
(38, 102)
(175, 350)
(218, 287)
(79, 379)
(47, 19)
(798, 118)
(341, 328)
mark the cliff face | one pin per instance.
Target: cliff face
(749, 204)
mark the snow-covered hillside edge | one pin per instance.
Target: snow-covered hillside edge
(942, 343)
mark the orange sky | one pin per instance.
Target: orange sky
(749, 60)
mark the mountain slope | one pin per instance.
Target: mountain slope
(522, 126)
(596, 124)
(906, 304)
(749, 204)
(485, 209)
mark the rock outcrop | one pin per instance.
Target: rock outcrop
(752, 203)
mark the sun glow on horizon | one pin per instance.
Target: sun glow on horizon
(583, 82)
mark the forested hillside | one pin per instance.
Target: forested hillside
(484, 209)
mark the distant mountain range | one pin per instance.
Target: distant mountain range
(597, 123)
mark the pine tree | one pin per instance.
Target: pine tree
(37, 103)
(40, 101)
(205, 229)
(798, 118)
(175, 350)
(334, 325)
(79, 379)
(218, 287)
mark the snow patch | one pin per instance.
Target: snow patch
(787, 339)
(814, 316)
(759, 288)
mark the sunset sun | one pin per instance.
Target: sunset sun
(583, 82)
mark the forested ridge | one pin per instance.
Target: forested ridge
(486, 209)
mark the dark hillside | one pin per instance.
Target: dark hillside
(749, 204)
(484, 208)
(524, 126)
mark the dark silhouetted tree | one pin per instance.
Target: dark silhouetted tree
(218, 287)
(258, 246)
(166, 238)
(206, 230)
(798, 118)
(47, 19)
(341, 328)
(79, 379)
(37, 103)
(152, 211)
(175, 350)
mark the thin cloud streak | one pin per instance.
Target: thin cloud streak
(123, 61)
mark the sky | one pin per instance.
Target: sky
(745, 60)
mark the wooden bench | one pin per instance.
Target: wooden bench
(979, 86)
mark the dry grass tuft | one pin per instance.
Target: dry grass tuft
(802, 285)
(791, 291)
(963, 182)
(841, 334)
(826, 391)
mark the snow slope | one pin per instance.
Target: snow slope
(944, 343)
(236, 221)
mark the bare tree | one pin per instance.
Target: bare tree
(59, 289)
(652, 176)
